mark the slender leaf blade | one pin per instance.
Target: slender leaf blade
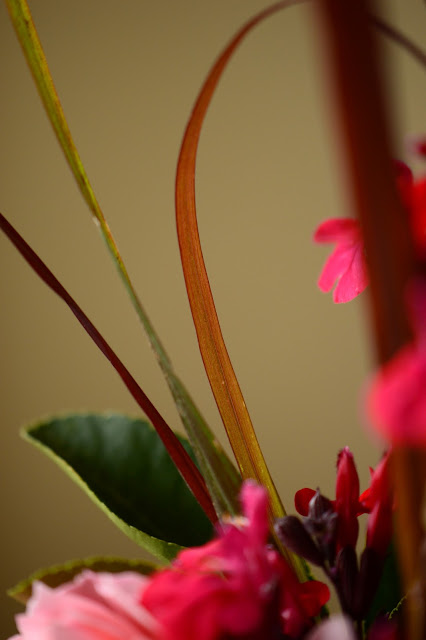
(222, 378)
(220, 474)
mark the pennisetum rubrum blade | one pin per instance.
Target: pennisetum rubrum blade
(356, 76)
(223, 381)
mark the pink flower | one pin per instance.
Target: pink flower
(346, 265)
(396, 398)
(348, 505)
(396, 402)
(377, 500)
(235, 585)
(94, 606)
(347, 499)
(338, 627)
(417, 146)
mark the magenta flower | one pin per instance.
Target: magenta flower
(339, 627)
(376, 501)
(94, 606)
(347, 499)
(235, 585)
(346, 265)
(396, 403)
(346, 506)
(396, 398)
(417, 146)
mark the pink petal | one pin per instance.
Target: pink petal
(335, 266)
(91, 607)
(354, 280)
(254, 499)
(338, 230)
(396, 402)
(417, 145)
(337, 627)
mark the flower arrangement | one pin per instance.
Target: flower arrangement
(230, 562)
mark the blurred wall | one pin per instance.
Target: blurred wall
(268, 173)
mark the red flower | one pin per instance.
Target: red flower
(235, 585)
(346, 265)
(347, 499)
(417, 146)
(396, 403)
(348, 505)
(377, 500)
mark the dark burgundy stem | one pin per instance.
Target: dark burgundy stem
(175, 449)
(357, 79)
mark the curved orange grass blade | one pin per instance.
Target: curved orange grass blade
(223, 381)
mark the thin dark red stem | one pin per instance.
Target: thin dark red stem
(175, 449)
(400, 38)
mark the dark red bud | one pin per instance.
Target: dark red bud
(294, 536)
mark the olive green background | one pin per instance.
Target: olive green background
(268, 172)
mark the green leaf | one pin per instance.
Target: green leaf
(59, 574)
(124, 467)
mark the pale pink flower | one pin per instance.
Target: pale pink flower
(94, 606)
(235, 585)
(340, 627)
(417, 145)
(337, 627)
(346, 265)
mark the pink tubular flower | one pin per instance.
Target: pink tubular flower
(346, 505)
(417, 146)
(396, 402)
(377, 500)
(396, 398)
(94, 606)
(347, 499)
(235, 585)
(346, 265)
(338, 627)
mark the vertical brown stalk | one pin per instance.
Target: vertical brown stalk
(357, 80)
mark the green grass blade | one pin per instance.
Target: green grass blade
(221, 476)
